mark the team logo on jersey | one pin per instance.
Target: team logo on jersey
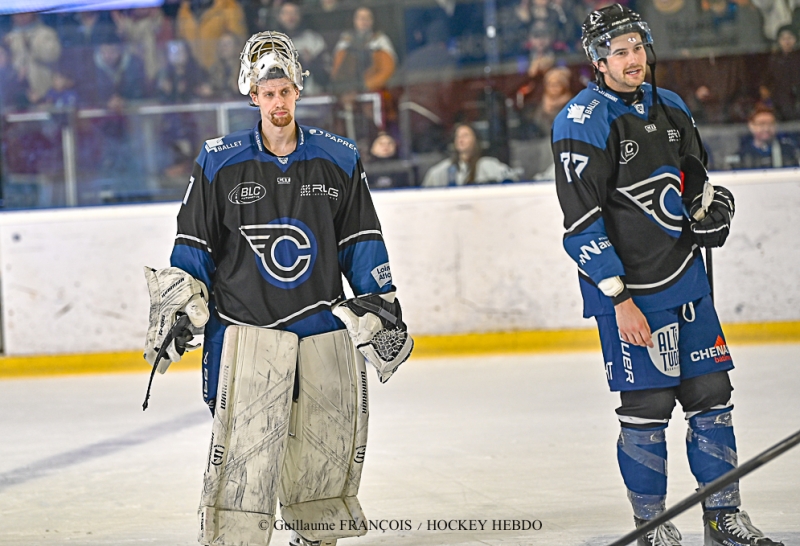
(660, 198)
(627, 151)
(283, 160)
(218, 144)
(650, 128)
(639, 108)
(580, 113)
(664, 352)
(246, 193)
(315, 132)
(285, 249)
(719, 352)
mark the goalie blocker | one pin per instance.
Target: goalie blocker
(375, 323)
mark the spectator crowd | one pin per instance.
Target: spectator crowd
(731, 60)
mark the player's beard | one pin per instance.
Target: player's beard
(282, 121)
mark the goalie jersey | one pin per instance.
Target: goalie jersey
(619, 184)
(271, 236)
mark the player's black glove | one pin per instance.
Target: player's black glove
(713, 229)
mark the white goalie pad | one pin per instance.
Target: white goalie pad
(327, 441)
(248, 439)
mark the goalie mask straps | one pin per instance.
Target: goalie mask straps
(180, 324)
(377, 310)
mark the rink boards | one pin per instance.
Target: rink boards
(469, 263)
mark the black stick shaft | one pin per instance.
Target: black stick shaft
(713, 487)
(710, 271)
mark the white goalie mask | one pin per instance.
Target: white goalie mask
(265, 51)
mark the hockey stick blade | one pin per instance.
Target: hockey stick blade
(717, 485)
(180, 324)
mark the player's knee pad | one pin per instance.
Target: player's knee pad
(642, 457)
(248, 437)
(705, 393)
(646, 409)
(711, 447)
(327, 440)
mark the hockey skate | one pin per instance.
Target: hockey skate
(665, 534)
(297, 540)
(733, 527)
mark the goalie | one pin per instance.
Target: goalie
(271, 220)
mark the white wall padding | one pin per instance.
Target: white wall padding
(464, 260)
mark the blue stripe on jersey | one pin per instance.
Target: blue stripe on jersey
(363, 261)
(247, 145)
(195, 262)
(594, 253)
(692, 286)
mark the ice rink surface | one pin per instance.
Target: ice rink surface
(518, 438)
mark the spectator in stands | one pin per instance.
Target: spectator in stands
(383, 167)
(81, 31)
(12, 86)
(540, 45)
(146, 32)
(716, 89)
(364, 59)
(114, 76)
(467, 166)
(203, 22)
(533, 12)
(310, 45)
(224, 73)
(259, 14)
(776, 14)
(537, 119)
(34, 48)
(182, 79)
(672, 23)
(764, 148)
(63, 93)
(728, 24)
(781, 84)
(329, 19)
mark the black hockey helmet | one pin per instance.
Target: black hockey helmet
(603, 25)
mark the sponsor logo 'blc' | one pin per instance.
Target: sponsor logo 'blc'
(246, 193)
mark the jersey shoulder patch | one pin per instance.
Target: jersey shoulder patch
(225, 150)
(585, 118)
(338, 149)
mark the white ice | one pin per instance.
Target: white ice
(529, 437)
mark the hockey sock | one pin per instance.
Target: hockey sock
(642, 457)
(711, 447)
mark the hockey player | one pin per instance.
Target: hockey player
(271, 219)
(628, 159)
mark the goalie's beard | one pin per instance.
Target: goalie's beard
(282, 121)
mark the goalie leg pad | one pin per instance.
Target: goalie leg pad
(248, 437)
(327, 440)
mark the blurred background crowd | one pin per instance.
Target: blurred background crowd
(113, 106)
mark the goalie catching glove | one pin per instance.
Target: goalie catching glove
(711, 229)
(173, 293)
(375, 324)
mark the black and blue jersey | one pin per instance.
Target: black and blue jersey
(271, 236)
(619, 185)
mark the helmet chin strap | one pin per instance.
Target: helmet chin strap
(651, 62)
